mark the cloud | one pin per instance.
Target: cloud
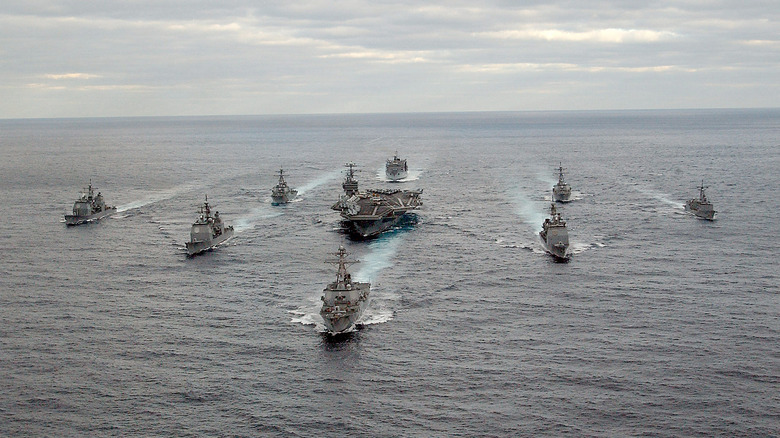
(71, 76)
(598, 35)
(239, 56)
(381, 56)
(510, 68)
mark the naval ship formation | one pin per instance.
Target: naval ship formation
(366, 214)
(343, 300)
(207, 231)
(701, 207)
(89, 207)
(369, 213)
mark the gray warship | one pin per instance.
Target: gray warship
(343, 301)
(555, 237)
(561, 191)
(701, 207)
(281, 193)
(368, 213)
(89, 207)
(396, 169)
(207, 231)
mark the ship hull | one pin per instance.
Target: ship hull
(556, 244)
(701, 212)
(395, 176)
(561, 193)
(283, 199)
(78, 220)
(340, 322)
(343, 323)
(197, 247)
(368, 228)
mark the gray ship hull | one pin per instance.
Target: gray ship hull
(285, 198)
(556, 243)
(562, 193)
(78, 220)
(703, 211)
(336, 323)
(395, 175)
(340, 316)
(196, 247)
(371, 227)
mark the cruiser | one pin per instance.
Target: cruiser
(368, 213)
(343, 301)
(281, 193)
(561, 191)
(396, 169)
(555, 237)
(208, 231)
(701, 207)
(89, 208)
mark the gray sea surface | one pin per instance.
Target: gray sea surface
(661, 324)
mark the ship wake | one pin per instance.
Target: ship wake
(249, 220)
(528, 210)
(157, 197)
(662, 197)
(321, 180)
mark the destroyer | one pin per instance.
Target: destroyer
(368, 213)
(396, 169)
(561, 191)
(701, 207)
(555, 237)
(208, 231)
(281, 193)
(89, 208)
(343, 301)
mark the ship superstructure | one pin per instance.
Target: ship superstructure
(343, 300)
(89, 207)
(561, 191)
(396, 169)
(281, 193)
(554, 235)
(701, 207)
(207, 231)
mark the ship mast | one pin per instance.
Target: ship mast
(702, 196)
(560, 173)
(342, 275)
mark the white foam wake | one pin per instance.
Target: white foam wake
(322, 179)
(156, 197)
(379, 257)
(309, 314)
(249, 220)
(528, 210)
(663, 197)
(546, 177)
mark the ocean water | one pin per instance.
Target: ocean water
(661, 324)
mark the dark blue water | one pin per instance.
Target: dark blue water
(660, 325)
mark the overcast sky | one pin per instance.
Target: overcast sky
(175, 57)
